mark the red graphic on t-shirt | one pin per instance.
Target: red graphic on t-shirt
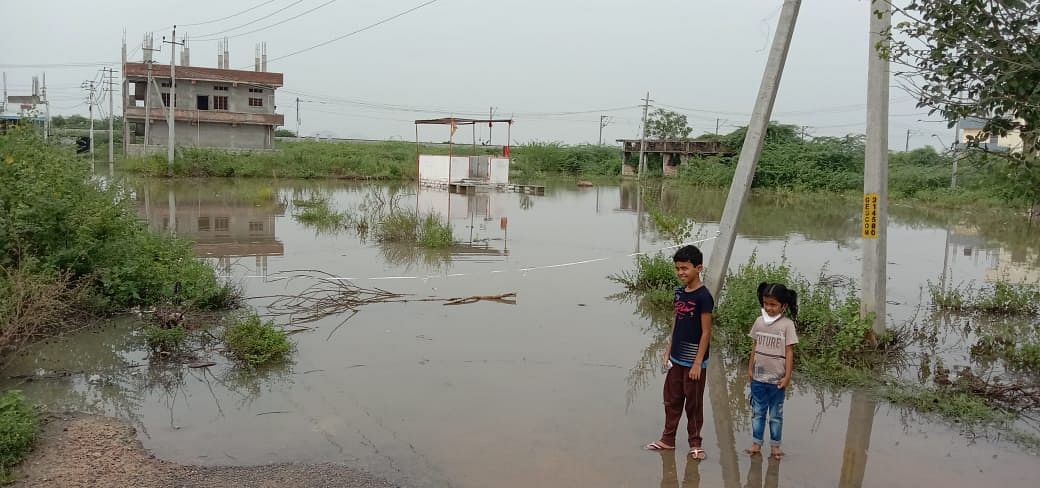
(684, 308)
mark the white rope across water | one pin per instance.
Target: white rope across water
(518, 270)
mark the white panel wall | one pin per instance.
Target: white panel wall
(459, 168)
(499, 171)
(433, 168)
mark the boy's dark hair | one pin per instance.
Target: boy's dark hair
(689, 254)
(782, 294)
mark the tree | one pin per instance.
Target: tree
(284, 133)
(665, 124)
(976, 58)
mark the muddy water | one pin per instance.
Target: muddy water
(560, 389)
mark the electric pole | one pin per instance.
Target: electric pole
(603, 122)
(716, 127)
(47, 109)
(89, 86)
(718, 264)
(875, 173)
(111, 117)
(172, 109)
(642, 140)
(148, 50)
(297, 117)
(907, 148)
(491, 115)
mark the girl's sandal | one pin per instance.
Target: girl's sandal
(698, 453)
(753, 451)
(777, 454)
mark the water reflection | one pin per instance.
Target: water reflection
(223, 223)
(670, 475)
(754, 476)
(857, 440)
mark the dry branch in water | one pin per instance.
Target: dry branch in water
(330, 295)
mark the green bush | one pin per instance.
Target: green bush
(435, 233)
(52, 211)
(18, 426)
(832, 335)
(653, 273)
(257, 342)
(170, 341)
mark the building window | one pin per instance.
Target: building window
(256, 90)
(220, 88)
(203, 224)
(256, 102)
(166, 99)
(256, 226)
(220, 103)
(165, 85)
(221, 224)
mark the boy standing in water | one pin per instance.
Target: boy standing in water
(687, 354)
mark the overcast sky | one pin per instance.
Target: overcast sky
(532, 58)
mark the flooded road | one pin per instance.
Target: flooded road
(557, 390)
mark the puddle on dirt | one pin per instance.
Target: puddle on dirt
(556, 390)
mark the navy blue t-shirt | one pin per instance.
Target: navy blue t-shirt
(686, 338)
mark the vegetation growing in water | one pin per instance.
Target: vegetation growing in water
(18, 426)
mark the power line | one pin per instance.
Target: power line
(236, 14)
(269, 26)
(252, 21)
(358, 31)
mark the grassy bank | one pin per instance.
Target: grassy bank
(388, 160)
(71, 248)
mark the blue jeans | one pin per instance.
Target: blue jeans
(767, 398)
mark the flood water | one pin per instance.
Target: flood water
(561, 389)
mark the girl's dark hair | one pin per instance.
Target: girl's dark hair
(782, 294)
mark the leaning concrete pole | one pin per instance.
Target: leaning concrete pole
(719, 259)
(875, 170)
(756, 132)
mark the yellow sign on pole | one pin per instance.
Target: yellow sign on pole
(870, 230)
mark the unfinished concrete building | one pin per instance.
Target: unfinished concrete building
(213, 107)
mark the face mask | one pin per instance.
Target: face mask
(768, 319)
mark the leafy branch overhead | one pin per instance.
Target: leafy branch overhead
(975, 58)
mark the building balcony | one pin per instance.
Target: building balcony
(207, 116)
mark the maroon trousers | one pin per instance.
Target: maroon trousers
(682, 392)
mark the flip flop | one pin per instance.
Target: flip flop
(698, 453)
(658, 446)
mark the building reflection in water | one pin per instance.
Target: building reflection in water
(479, 219)
(222, 226)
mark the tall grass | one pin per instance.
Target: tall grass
(430, 231)
(1000, 297)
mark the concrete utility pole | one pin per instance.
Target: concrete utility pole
(111, 117)
(875, 171)
(716, 127)
(642, 139)
(89, 86)
(907, 148)
(47, 110)
(125, 92)
(491, 115)
(297, 117)
(953, 151)
(603, 122)
(172, 109)
(752, 149)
